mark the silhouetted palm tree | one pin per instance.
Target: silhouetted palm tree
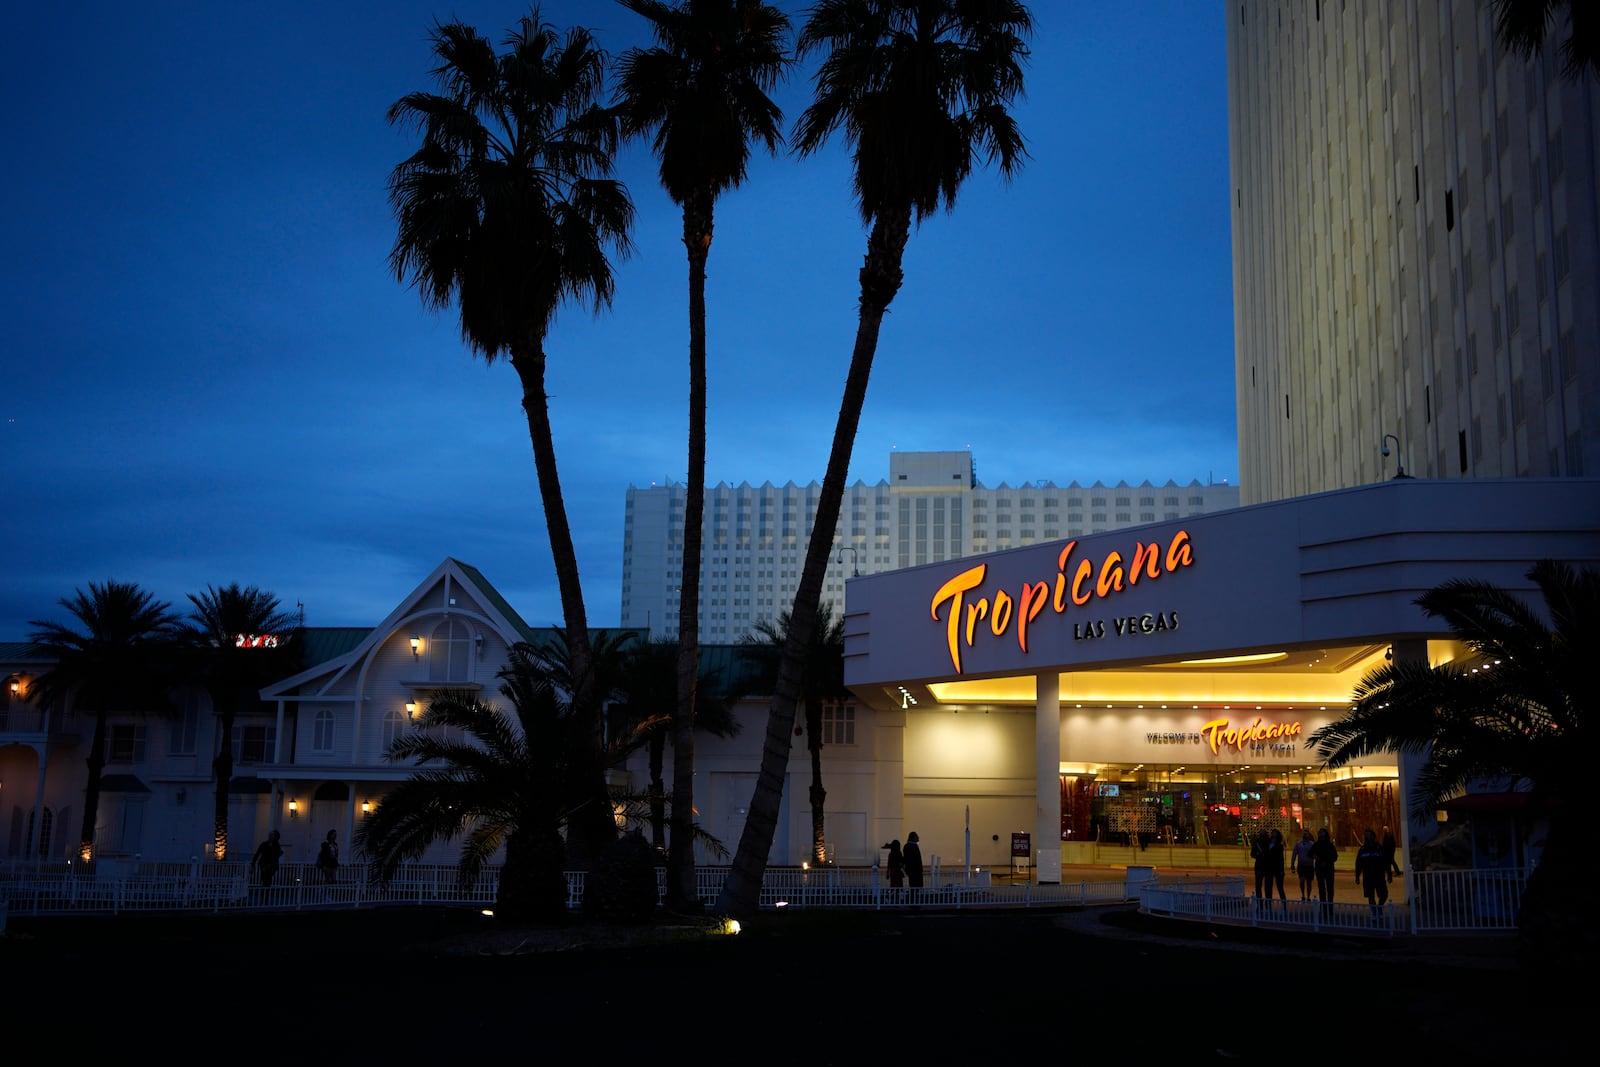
(237, 640)
(506, 210)
(649, 687)
(821, 682)
(920, 90)
(1523, 25)
(702, 93)
(1521, 705)
(494, 779)
(119, 658)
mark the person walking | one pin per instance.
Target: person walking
(897, 865)
(328, 857)
(1275, 864)
(1372, 873)
(1324, 854)
(1304, 866)
(1260, 849)
(266, 859)
(911, 856)
(1390, 847)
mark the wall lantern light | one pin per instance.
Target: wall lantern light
(416, 645)
(294, 808)
(15, 686)
(366, 807)
(411, 709)
(183, 795)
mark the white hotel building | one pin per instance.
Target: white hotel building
(932, 508)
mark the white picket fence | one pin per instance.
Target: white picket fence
(1465, 901)
(1440, 901)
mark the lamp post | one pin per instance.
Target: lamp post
(1399, 465)
(855, 561)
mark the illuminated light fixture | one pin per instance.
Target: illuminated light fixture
(416, 645)
(411, 709)
(294, 808)
(906, 699)
(15, 685)
(1222, 661)
(366, 807)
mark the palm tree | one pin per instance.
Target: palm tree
(702, 92)
(506, 210)
(496, 780)
(649, 682)
(237, 639)
(1520, 705)
(1522, 25)
(920, 89)
(117, 658)
(821, 681)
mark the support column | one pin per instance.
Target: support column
(1047, 778)
(1415, 826)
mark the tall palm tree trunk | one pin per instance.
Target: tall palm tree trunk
(592, 824)
(819, 795)
(96, 763)
(222, 771)
(658, 793)
(881, 277)
(681, 895)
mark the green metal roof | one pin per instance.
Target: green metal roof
(324, 643)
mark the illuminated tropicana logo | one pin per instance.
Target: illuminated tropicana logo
(1217, 732)
(1088, 581)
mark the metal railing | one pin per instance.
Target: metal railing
(115, 886)
(1466, 901)
(1440, 901)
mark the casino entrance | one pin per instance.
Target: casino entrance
(1178, 816)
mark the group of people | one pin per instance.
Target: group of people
(1313, 860)
(269, 855)
(905, 864)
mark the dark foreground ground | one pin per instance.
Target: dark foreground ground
(412, 985)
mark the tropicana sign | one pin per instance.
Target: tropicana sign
(1089, 580)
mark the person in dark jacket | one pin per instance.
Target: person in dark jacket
(911, 855)
(1390, 847)
(1372, 873)
(897, 869)
(1275, 863)
(1260, 847)
(266, 859)
(1324, 854)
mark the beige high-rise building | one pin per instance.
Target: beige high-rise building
(931, 508)
(1416, 247)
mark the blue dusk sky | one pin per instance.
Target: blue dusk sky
(211, 376)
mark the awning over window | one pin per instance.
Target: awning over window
(122, 783)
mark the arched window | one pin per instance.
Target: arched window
(448, 652)
(394, 727)
(322, 732)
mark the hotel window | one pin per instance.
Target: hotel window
(125, 743)
(322, 732)
(448, 652)
(183, 735)
(254, 743)
(838, 723)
